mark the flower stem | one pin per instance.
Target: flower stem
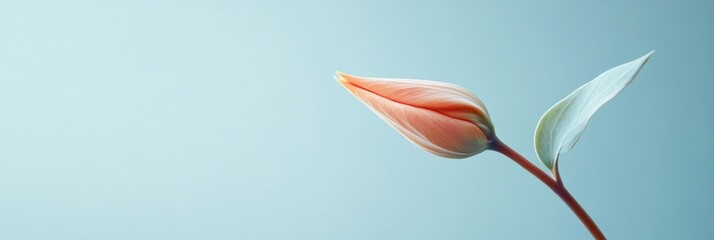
(557, 186)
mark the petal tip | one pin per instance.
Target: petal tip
(340, 77)
(344, 78)
(343, 75)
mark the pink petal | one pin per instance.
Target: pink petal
(443, 119)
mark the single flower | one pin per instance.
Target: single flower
(444, 119)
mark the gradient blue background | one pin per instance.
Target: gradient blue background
(221, 120)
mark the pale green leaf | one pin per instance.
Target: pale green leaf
(561, 126)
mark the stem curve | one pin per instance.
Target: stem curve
(555, 185)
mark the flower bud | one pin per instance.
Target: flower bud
(444, 119)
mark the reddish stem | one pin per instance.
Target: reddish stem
(555, 185)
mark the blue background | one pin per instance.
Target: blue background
(221, 120)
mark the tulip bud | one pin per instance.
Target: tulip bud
(444, 119)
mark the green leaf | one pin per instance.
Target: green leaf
(561, 126)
